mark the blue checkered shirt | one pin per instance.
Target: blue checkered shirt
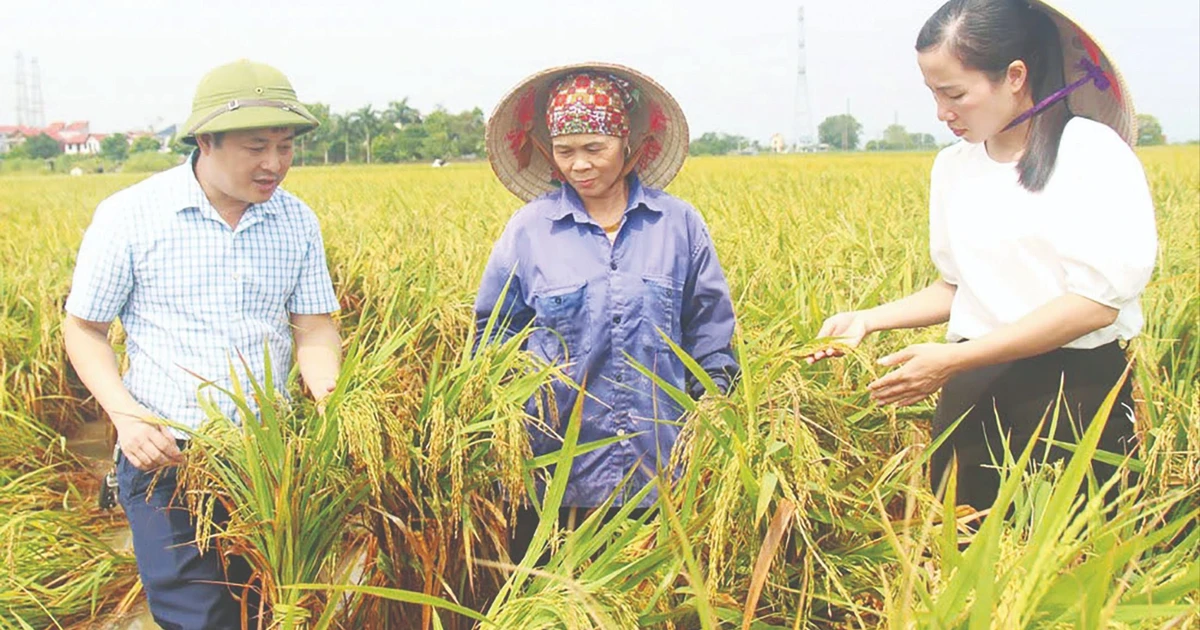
(195, 296)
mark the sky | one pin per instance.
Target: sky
(133, 64)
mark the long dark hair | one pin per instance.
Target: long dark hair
(988, 35)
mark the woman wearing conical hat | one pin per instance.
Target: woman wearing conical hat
(1042, 228)
(605, 266)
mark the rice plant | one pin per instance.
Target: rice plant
(795, 503)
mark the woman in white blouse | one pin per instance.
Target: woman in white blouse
(1042, 227)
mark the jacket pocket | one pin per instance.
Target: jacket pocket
(561, 323)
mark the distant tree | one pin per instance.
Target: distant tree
(445, 135)
(365, 123)
(321, 139)
(923, 141)
(145, 144)
(115, 147)
(339, 129)
(714, 143)
(1150, 132)
(385, 148)
(18, 152)
(41, 147)
(840, 131)
(410, 142)
(897, 138)
(437, 142)
(400, 114)
(469, 127)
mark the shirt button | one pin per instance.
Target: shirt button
(620, 432)
(613, 265)
(617, 319)
(237, 275)
(620, 378)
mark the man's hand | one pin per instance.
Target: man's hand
(321, 392)
(146, 445)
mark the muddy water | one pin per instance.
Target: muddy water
(93, 444)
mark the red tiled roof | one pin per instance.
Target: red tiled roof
(76, 132)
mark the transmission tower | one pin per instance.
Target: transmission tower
(37, 108)
(803, 131)
(22, 93)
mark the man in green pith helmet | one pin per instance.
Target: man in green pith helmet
(202, 263)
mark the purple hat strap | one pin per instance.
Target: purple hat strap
(1092, 74)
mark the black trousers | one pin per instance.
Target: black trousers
(1013, 398)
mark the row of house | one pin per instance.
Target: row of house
(75, 138)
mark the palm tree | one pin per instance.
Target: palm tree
(366, 120)
(400, 113)
(341, 125)
(323, 136)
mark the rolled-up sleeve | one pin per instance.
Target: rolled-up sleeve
(1110, 241)
(708, 319)
(501, 294)
(103, 276)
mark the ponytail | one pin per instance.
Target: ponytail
(1045, 63)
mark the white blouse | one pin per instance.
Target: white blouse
(1090, 232)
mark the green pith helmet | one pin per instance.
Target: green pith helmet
(245, 95)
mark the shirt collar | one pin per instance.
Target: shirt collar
(571, 205)
(187, 193)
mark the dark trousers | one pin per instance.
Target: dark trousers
(568, 518)
(186, 590)
(1013, 398)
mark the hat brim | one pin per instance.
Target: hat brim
(250, 118)
(658, 131)
(1112, 107)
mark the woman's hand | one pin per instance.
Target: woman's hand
(850, 328)
(924, 368)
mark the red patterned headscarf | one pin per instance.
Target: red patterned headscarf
(589, 103)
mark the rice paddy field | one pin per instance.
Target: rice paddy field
(799, 504)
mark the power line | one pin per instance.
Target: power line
(803, 114)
